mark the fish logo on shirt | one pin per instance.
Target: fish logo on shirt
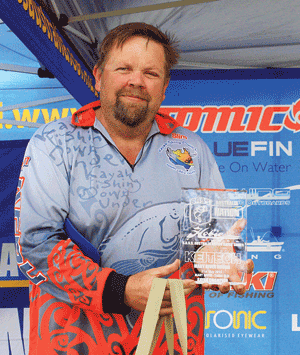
(180, 157)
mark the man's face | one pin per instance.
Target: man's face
(133, 82)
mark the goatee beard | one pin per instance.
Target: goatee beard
(132, 115)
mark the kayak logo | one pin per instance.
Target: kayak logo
(234, 119)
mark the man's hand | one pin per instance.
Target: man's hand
(234, 277)
(138, 287)
(224, 246)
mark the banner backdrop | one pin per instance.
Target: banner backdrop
(250, 121)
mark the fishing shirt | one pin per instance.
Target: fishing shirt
(129, 213)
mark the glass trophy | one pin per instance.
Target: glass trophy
(213, 236)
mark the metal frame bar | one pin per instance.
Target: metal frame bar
(55, 8)
(73, 30)
(135, 10)
(36, 103)
(85, 22)
(78, 34)
(21, 123)
(18, 68)
(207, 66)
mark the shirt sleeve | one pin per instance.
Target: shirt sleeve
(210, 176)
(45, 255)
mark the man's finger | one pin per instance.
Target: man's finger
(239, 287)
(243, 265)
(237, 227)
(167, 269)
(188, 283)
(166, 304)
(225, 287)
(206, 286)
(166, 311)
(167, 295)
(250, 266)
(189, 290)
(188, 286)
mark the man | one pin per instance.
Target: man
(108, 170)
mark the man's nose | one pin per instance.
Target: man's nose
(136, 79)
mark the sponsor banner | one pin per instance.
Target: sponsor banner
(251, 127)
(239, 119)
(38, 115)
(14, 297)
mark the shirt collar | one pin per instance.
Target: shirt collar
(85, 117)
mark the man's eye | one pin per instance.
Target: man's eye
(123, 69)
(151, 73)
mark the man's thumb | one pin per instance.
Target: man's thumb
(168, 269)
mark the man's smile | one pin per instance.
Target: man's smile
(134, 98)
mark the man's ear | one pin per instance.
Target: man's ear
(97, 75)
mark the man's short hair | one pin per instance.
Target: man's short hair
(119, 35)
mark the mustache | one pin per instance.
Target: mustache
(135, 93)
